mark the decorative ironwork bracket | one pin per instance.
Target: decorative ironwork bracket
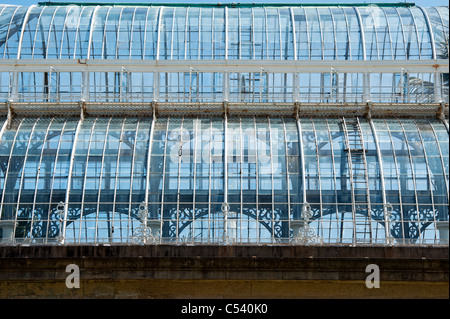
(387, 216)
(60, 216)
(226, 240)
(144, 234)
(306, 234)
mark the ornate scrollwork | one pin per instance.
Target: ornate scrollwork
(306, 235)
(225, 208)
(143, 234)
(388, 209)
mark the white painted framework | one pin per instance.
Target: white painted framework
(424, 156)
(394, 82)
(370, 23)
(128, 70)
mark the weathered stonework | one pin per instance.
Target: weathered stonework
(167, 271)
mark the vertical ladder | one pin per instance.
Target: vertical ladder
(359, 180)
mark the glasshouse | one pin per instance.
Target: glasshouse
(224, 124)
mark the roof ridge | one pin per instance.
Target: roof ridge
(230, 4)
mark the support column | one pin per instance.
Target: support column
(380, 164)
(69, 180)
(85, 92)
(14, 94)
(158, 38)
(294, 35)
(22, 30)
(363, 38)
(366, 87)
(302, 158)
(91, 29)
(153, 215)
(225, 160)
(437, 87)
(226, 33)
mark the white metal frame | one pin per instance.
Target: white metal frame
(239, 66)
(270, 217)
(37, 182)
(226, 66)
(23, 173)
(7, 170)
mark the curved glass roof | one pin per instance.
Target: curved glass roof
(220, 161)
(193, 33)
(104, 168)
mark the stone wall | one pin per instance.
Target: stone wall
(209, 271)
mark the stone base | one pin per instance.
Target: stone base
(166, 271)
(222, 289)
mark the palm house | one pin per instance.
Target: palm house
(224, 124)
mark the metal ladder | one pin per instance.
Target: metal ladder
(359, 180)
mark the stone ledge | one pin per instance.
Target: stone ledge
(34, 263)
(218, 251)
